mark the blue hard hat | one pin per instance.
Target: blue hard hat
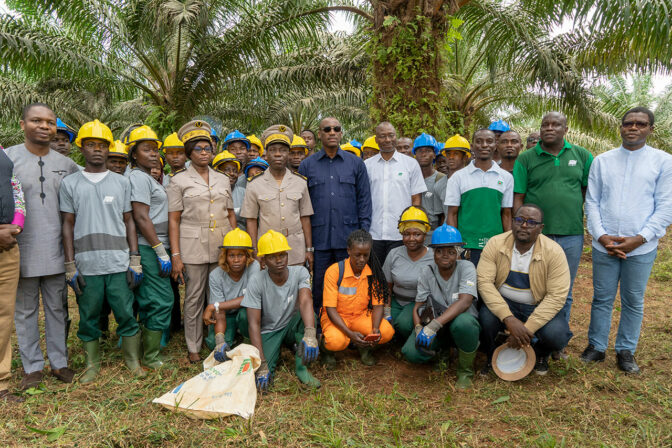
(60, 126)
(425, 140)
(356, 144)
(499, 126)
(446, 236)
(236, 136)
(440, 146)
(258, 162)
(214, 136)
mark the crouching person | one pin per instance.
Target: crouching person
(523, 279)
(228, 284)
(98, 230)
(446, 298)
(355, 292)
(279, 311)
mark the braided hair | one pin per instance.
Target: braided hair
(377, 281)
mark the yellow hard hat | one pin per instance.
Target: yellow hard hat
(223, 157)
(353, 149)
(237, 239)
(459, 143)
(161, 161)
(413, 215)
(254, 140)
(94, 129)
(370, 143)
(141, 134)
(272, 242)
(118, 149)
(172, 142)
(298, 142)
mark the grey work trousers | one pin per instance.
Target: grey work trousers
(26, 321)
(196, 291)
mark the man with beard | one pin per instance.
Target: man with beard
(508, 147)
(523, 279)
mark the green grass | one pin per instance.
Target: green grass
(391, 404)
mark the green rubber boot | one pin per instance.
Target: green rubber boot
(92, 351)
(131, 347)
(327, 357)
(465, 369)
(366, 355)
(304, 375)
(151, 344)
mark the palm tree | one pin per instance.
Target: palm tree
(174, 59)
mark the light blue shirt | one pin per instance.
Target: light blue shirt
(630, 193)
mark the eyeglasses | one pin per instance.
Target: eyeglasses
(330, 128)
(203, 149)
(532, 139)
(530, 222)
(637, 124)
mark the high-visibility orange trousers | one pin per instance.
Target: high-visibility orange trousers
(335, 340)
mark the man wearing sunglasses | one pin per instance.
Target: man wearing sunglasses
(338, 185)
(523, 279)
(554, 175)
(629, 206)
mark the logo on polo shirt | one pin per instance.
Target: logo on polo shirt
(499, 182)
(572, 163)
(290, 298)
(108, 200)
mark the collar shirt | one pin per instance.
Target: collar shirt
(480, 195)
(341, 197)
(630, 193)
(392, 182)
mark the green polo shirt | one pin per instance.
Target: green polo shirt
(554, 183)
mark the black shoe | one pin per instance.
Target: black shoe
(487, 368)
(541, 367)
(626, 362)
(592, 355)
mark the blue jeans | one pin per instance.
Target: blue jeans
(633, 273)
(553, 336)
(572, 245)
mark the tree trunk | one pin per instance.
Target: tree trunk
(407, 47)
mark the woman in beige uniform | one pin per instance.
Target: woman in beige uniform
(200, 213)
(278, 199)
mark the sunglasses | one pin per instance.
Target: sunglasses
(637, 124)
(532, 139)
(200, 150)
(530, 222)
(330, 128)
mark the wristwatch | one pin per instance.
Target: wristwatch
(310, 249)
(217, 307)
(643, 239)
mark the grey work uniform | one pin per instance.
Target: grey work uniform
(446, 292)
(403, 273)
(280, 208)
(279, 304)
(146, 190)
(42, 261)
(238, 198)
(204, 222)
(223, 288)
(428, 203)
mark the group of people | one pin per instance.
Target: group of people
(434, 245)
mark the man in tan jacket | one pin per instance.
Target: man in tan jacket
(523, 279)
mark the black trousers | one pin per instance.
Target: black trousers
(383, 247)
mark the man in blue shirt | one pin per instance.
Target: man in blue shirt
(339, 190)
(629, 207)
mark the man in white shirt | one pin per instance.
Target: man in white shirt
(396, 183)
(629, 207)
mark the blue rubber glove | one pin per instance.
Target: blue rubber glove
(74, 278)
(263, 377)
(428, 333)
(221, 347)
(134, 273)
(309, 351)
(165, 266)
